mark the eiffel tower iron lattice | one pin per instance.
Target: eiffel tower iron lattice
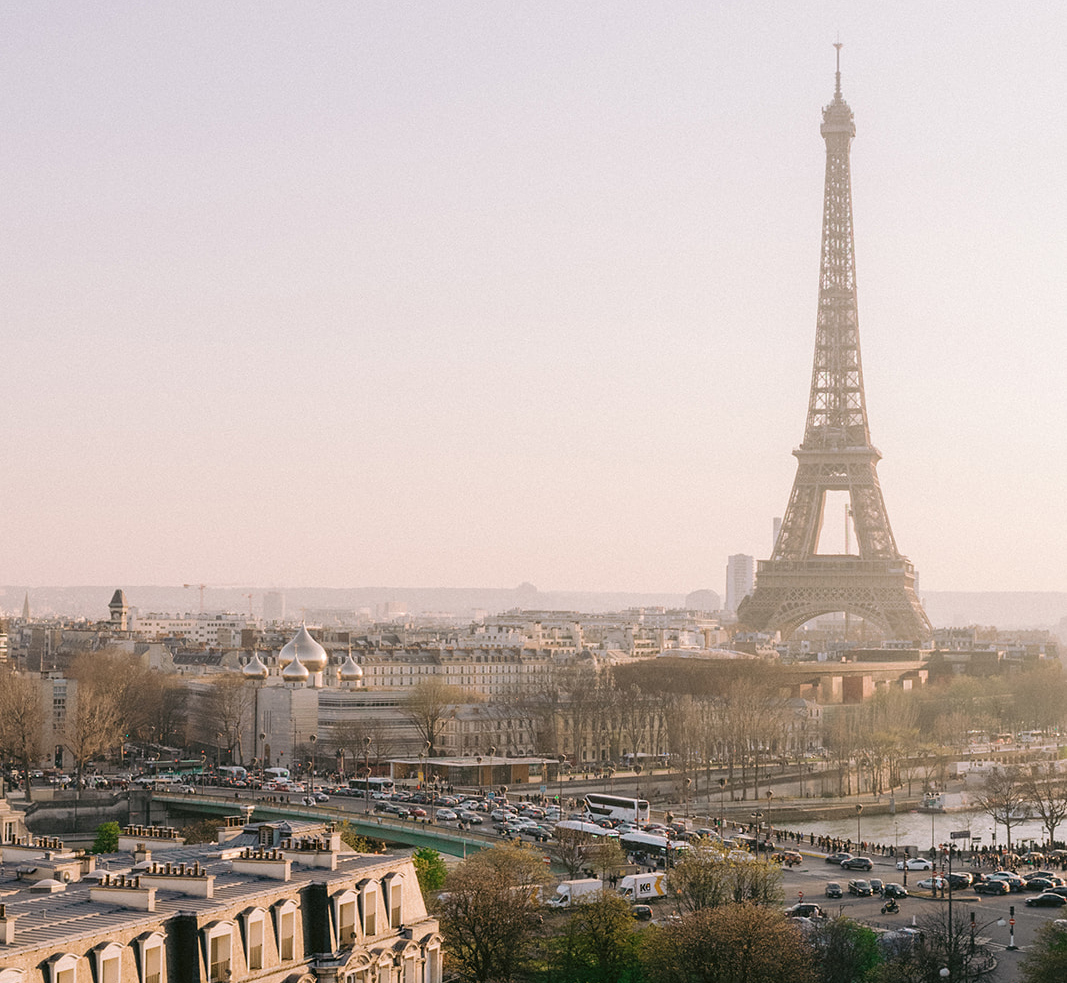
(797, 584)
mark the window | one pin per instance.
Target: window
(255, 941)
(370, 911)
(107, 962)
(63, 967)
(346, 919)
(395, 891)
(287, 934)
(150, 954)
(219, 957)
(153, 964)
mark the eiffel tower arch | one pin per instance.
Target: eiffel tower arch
(797, 584)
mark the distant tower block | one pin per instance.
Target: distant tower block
(796, 584)
(120, 611)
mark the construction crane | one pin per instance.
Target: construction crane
(201, 588)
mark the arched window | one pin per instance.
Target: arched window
(106, 960)
(150, 951)
(285, 920)
(62, 968)
(255, 926)
(344, 917)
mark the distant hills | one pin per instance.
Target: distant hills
(1004, 609)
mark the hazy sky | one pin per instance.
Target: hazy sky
(468, 294)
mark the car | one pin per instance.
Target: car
(838, 858)
(877, 886)
(992, 887)
(418, 811)
(915, 863)
(1040, 884)
(447, 816)
(469, 816)
(858, 863)
(787, 858)
(959, 879)
(860, 888)
(185, 789)
(321, 797)
(1014, 881)
(930, 884)
(833, 889)
(642, 912)
(1047, 900)
(805, 909)
(894, 891)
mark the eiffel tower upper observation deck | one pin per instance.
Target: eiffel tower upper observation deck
(798, 584)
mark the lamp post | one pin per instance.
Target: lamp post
(722, 805)
(859, 812)
(366, 775)
(757, 818)
(312, 739)
(559, 780)
(770, 795)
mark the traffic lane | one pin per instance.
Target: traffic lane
(811, 878)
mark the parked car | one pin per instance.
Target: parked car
(915, 863)
(860, 888)
(858, 863)
(1014, 881)
(1047, 900)
(642, 912)
(833, 889)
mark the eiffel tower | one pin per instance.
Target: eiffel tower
(797, 584)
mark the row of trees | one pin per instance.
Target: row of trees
(114, 699)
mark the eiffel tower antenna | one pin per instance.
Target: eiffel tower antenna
(836, 455)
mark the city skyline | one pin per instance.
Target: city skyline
(472, 296)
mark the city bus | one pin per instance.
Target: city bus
(376, 786)
(617, 808)
(650, 848)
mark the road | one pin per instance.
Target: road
(811, 876)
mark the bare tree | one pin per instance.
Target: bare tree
(1046, 790)
(429, 705)
(1003, 798)
(21, 721)
(94, 725)
(226, 710)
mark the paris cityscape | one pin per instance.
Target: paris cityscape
(470, 279)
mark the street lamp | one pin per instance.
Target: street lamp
(770, 795)
(859, 812)
(313, 739)
(722, 805)
(366, 775)
(757, 818)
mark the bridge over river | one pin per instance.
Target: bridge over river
(172, 808)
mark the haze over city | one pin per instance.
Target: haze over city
(477, 294)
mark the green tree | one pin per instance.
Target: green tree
(107, 838)
(357, 841)
(1046, 961)
(430, 868)
(846, 951)
(606, 856)
(733, 943)
(490, 910)
(599, 942)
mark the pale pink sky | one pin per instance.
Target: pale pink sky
(475, 293)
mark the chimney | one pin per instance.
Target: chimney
(7, 926)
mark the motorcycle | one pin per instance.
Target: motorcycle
(890, 907)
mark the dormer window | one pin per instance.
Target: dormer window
(107, 962)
